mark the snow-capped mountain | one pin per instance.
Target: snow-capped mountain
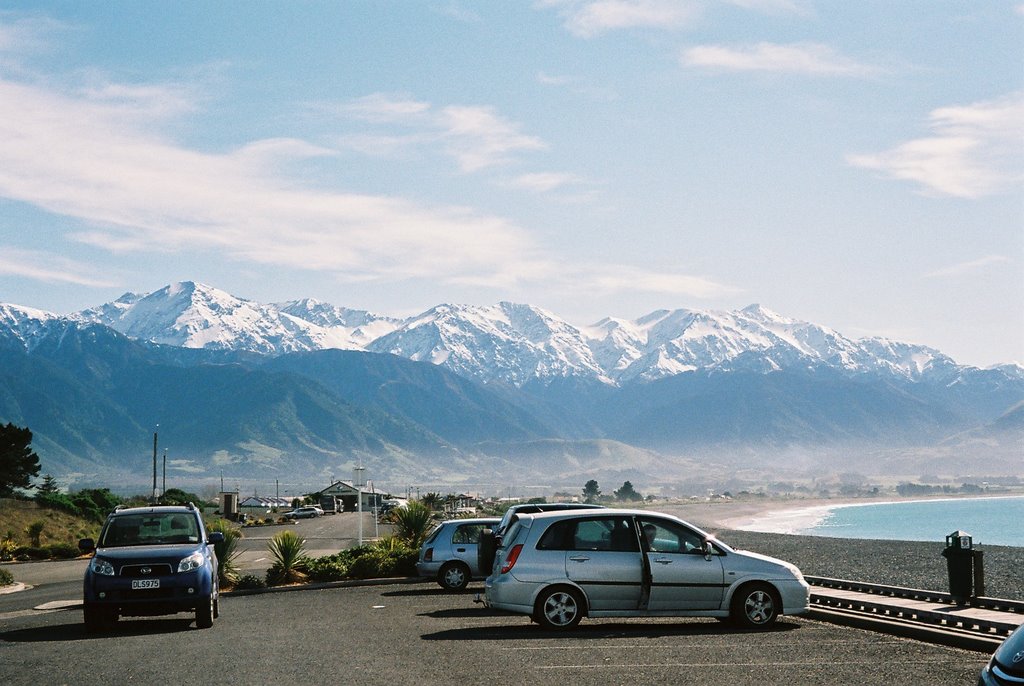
(194, 315)
(516, 343)
(25, 325)
(505, 342)
(359, 327)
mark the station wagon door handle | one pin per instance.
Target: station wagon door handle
(664, 561)
(460, 550)
(579, 558)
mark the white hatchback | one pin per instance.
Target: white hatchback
(558, 567)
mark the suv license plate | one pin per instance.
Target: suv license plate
(145, 583)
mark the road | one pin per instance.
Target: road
(415, 634)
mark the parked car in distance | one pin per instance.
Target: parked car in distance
(558, 567)
(151, 561)
(490, 540)
(1007, 663)
(448, 555)
(304, 512)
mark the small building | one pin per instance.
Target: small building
(349, 494)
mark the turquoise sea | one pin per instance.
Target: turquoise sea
(989, 520)
(995, 521)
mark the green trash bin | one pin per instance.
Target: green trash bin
(959, 554)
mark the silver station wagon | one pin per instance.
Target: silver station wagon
(557, 567)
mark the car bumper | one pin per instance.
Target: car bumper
(177, 593)
(505, 592)
(795, 595)
(428, 570)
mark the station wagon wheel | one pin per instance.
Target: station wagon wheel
(559, 608)
(755, 607)
(454, 576)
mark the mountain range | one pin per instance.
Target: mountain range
(486, 395)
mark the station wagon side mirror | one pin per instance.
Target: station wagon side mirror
(215, 537)
(708, 549)
(86, 545)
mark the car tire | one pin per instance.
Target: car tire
(559, 608)
(453, 576)
(97, 618)
(204, 614)
(755, 606)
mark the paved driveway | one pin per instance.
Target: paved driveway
(415, 634)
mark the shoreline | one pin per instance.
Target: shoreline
(790, 515)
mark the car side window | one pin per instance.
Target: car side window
(663, 536)
(604, 533)
(467, 534)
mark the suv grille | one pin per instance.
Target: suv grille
(145, 571)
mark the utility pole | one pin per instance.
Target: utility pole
(163, 491)
(155, 432)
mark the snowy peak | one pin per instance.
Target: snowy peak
(507, 342)
(358, 327)
(194, 315)
(26, 325)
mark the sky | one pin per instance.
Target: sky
(859, 165)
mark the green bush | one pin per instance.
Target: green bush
(28, 552)
(62, 551)
(290, 561)
(58, 501)
(5, 578)
(249, 581)
(227, 551)
(327, 568)
(7, 548)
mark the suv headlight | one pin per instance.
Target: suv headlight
(101, 566)
(193, 561)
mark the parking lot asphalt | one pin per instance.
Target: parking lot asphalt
(416, 634)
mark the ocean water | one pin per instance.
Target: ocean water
(992, 521)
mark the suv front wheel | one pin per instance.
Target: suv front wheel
(205, 613)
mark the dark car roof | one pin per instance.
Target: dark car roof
(549, 507)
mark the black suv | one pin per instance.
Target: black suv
(151, 561)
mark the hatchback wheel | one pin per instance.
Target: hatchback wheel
(559, 608)
(454, 576)
(755, 607)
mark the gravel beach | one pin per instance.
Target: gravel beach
(911, 564)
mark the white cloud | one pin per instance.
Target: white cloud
(543, 182)
(968, 267)
(41, 266)
(974, 151)
(812, 59)
(135, 191)
(475, 136)
(594, 18)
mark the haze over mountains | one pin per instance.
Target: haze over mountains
(486, 395)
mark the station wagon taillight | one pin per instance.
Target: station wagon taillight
(429, 555)
(513, 555)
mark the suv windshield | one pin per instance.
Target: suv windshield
(150, 529)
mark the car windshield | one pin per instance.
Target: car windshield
(150, 529)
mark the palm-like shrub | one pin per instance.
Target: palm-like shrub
(412, 523)
(290, 561)
(227, 552)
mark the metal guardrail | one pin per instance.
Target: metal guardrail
(980, 602)
(945, 616)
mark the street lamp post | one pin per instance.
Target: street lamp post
(358, 482)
